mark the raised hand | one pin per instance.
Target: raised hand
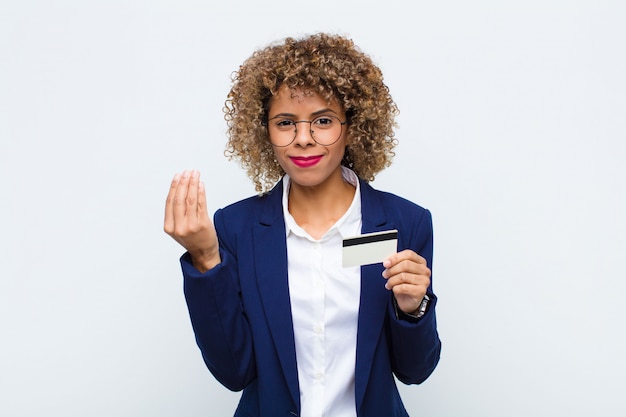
(187, 220)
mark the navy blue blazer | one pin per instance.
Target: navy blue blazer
(241, 314)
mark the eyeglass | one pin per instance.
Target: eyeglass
(325, 130)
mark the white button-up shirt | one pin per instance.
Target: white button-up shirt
(325, 307)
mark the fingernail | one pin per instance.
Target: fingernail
(386, 263)
(185, 174)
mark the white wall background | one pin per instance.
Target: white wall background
(512, 132)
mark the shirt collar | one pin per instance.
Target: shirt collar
(348, 225)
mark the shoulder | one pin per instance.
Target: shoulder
(392, 204)
(253, 209)
(236, 222)
(413, 221)
(247, 205)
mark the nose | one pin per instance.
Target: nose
(304, 134)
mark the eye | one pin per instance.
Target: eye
(284, 124)
(324, 122)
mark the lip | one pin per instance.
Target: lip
(305, 161)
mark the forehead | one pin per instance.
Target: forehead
(301, 99)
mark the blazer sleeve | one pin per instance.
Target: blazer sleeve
(415, 344)
(218, 319)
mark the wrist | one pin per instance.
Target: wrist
(417, 313)
(205, 262)
(421, 310)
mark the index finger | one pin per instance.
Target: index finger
(169, 203)
(179, 202)
(405, 255)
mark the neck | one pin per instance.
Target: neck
(317, 209)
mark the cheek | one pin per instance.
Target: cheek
(341, 150)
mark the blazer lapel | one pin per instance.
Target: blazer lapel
(373, 307)
(270, 249)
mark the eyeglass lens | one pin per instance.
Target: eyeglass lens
(325, 130)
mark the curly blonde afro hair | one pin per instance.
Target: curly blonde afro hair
(329, 65)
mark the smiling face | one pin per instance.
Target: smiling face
(308, 163)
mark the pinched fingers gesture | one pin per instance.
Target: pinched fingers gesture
(408, 277)
(187, 220)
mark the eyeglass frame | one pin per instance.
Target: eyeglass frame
(310, 122)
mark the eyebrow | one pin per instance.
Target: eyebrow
(315, 113)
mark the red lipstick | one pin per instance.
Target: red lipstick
(305, 161)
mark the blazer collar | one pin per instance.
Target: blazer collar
(373, 217)
(372, 214)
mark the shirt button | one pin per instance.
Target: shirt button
(319, 375)
(317, 329)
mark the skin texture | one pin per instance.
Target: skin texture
(318, 197)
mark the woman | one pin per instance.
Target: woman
(274, 312)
